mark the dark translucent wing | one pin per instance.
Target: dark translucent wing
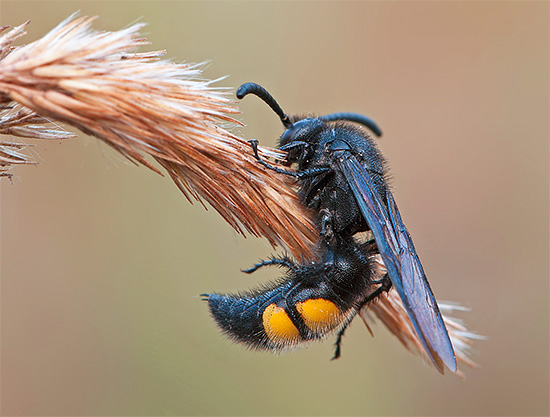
(420, 298)
(402, 262)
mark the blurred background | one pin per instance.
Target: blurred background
(103, 261)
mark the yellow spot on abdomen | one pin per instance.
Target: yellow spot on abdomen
(278, 326)
(319, 315)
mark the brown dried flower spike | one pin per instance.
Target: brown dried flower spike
(141, 105)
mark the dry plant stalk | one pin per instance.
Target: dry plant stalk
(141, 105)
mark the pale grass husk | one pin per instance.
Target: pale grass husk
(10, 155)
(389, 309)
(144, 106)
(19, 121)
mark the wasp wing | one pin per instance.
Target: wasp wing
(401, 261)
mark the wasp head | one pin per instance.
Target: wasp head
(303, 134)
(300, 140)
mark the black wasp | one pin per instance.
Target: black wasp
(342, 176)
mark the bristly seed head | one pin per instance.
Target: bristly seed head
(145, 107)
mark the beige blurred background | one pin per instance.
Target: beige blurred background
(102, 261)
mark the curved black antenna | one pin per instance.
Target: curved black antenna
(354, 117)
(258, 90)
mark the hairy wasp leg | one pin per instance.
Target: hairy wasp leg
(385, 286)
(254, 144)
(277, 261)
(327, 225)
(302, 174)
(338, 343)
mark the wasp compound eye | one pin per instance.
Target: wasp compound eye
(300, 131)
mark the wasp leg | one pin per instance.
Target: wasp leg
(327, 221)
(338, 343)
(302, 174)
(385, 286)
(287, 262)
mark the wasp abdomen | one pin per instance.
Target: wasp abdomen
(312, 301)
(266, 321)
